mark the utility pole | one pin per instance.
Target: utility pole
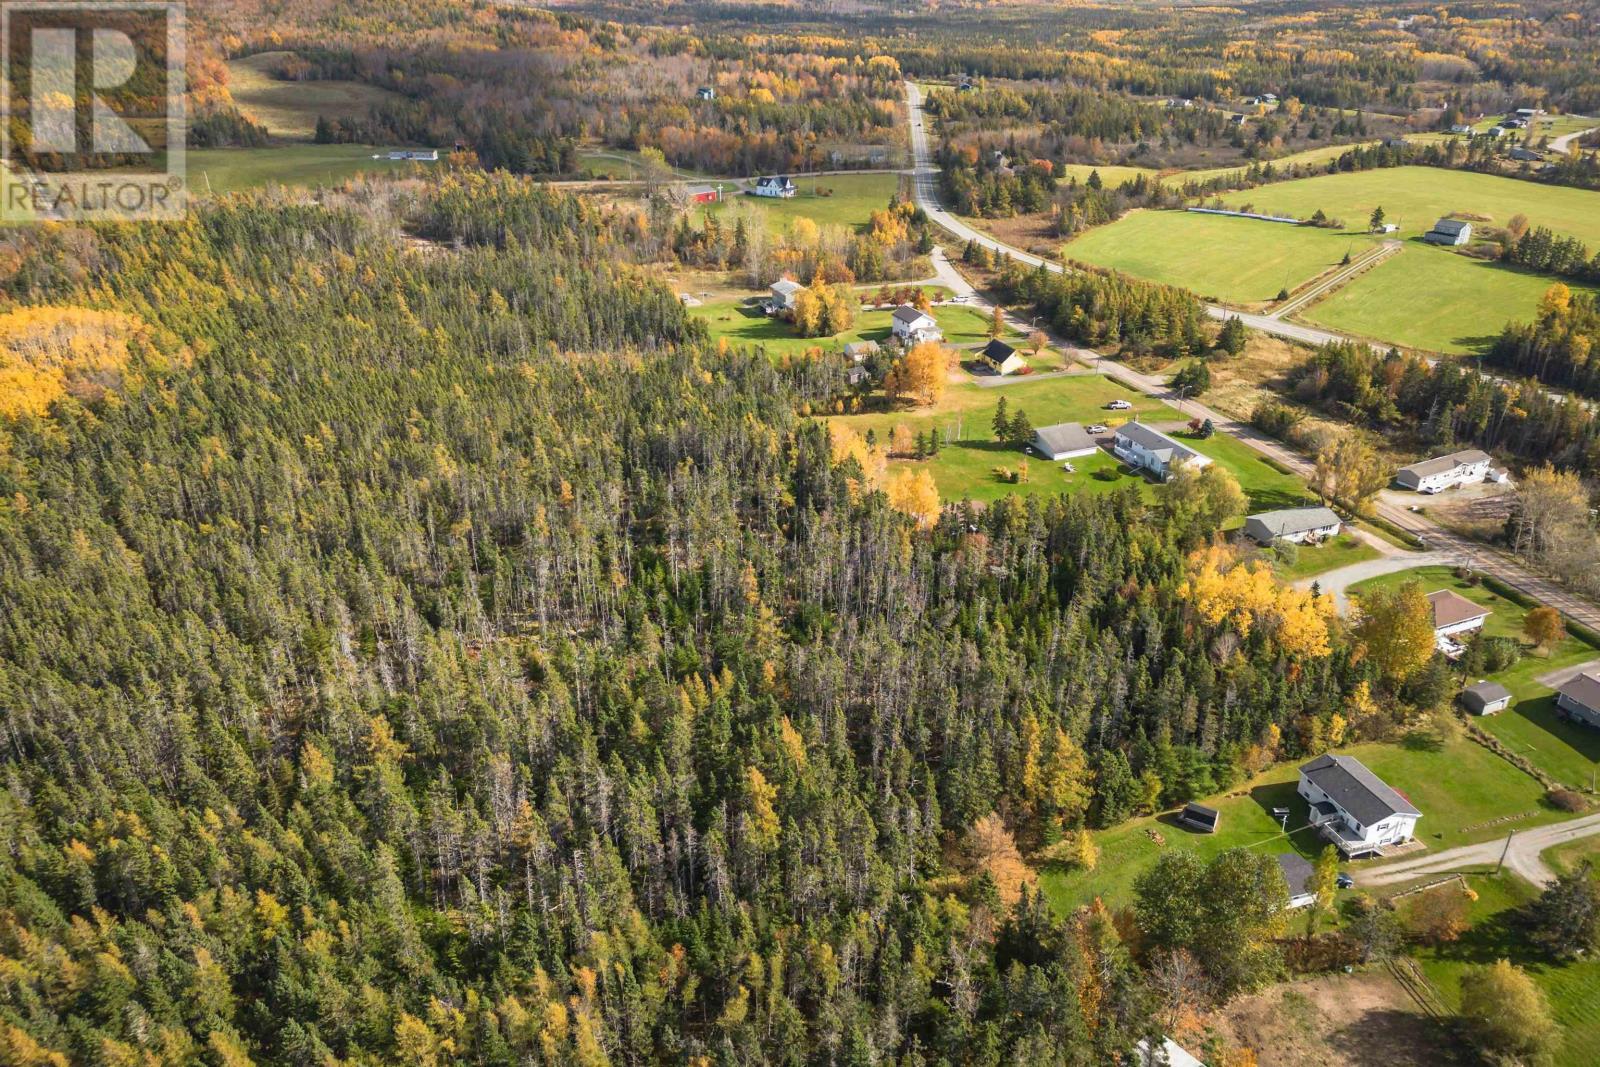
(1503, 852)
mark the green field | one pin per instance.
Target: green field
(965, 467)
(1311, 560)
(1456, 784)
(1416, 197)
(1111, 175)
(1529, 727)
(1241, 261)
(227, 170)
(1309, 157)
(289, 109)
(1433, 299)
(743, 323)
(1493, 935)
(833, 200)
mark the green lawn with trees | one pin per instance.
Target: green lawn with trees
(1530, 728)
(290, 109)
(829, 200)
(1295, 562)
(742, 322)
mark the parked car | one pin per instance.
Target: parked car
(1344, 881)
(1096, 428)
(1120, 405)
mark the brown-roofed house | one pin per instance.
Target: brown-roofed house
(1454, 613)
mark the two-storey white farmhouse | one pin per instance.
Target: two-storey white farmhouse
(1354, 808)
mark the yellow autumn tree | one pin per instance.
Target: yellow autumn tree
(914, 492)
(1396, 628)
(920, 375)
(760, 796)
(48, 352)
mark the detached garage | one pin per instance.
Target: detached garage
(1064, 440)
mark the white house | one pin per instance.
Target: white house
(1455, 614)
(1297, 872)
(784, 291)
(415, 155)
(706, 92)
(1578, 698)
(913, 326)
(1151, 450)
(1354, 808)
(1292, 524)
(1001, 357)
(1467, 467)
(780, 187)
(1449, 232)
(1064, 440)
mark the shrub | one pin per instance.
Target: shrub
(1567, 800)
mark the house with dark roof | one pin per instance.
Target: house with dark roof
(1297, 872)
(1199, 817)
(1298, 525)
(779, 186)
(706, 92)
(1001, 357)
(1151, 450)
(1449, 232)
(1467, 467)
(913, 326)
(1578, 698)
(1353, 808)
(1064, 440)
(1485, 698)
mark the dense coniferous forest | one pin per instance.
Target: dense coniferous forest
(441, 655)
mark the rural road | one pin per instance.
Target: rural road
(1436, 539)
(1522, 857)
(1337, 583)
(1364, 262)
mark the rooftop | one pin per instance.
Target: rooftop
(1362, 795)
(1155, 441)
(1440, 464)
(1451, 226)
(1583, 688)
(1297, 871)
(1294, 520)
(1484, 693)
(908, 314)
(786, 286)
(1450, 608)
(1063, 437)
(998, 350)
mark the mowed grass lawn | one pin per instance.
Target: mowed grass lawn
(1494, 934)
(289, 109)
(1111, 175)
(1455, 783)
(227, 170)
(1433, 299)
(1311, 560)
(743, 323)
(965, 466)
(1416, 197)
(833, 200)
(1240, 261)
(1565, 751)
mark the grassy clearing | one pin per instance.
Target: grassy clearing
(1309, 157)
(1494, 935)
(1111, 176)
(743, 323)
(1564, 751)
(851, 202)
(1433, 299)
(1338, 552)
(1415, 197)
(1455, 783)
(1241, 261)
(227, 170)
(290, 109)
(1564, 858)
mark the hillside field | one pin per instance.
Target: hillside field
(1416, 197)
(289, 109)
(228, 170)
(1238, 261)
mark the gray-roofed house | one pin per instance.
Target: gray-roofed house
(779, 186)
(1526, 155)
(1467, 467)
(1449, 232)
(1485, 698)
(860, 351)
(1354, 808)
(706, 92)
(913, 326)
(784, 290)
(1297, 872)
(1001, 357)
(1293, 524)
(1064, 440)
(1578, 698)
(1199, 817)
(1140, 446)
